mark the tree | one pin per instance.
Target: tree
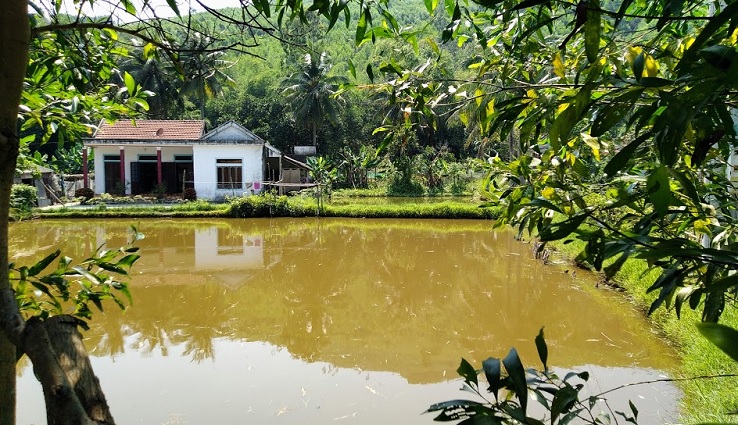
(203, 68)
(312, 93)
(157, 75)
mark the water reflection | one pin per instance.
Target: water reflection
(374, 296)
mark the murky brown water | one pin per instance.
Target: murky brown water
(318, 321)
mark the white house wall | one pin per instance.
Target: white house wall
(131, 155)
(205, 168)
(240, 252)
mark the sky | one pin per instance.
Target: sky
(104, 7)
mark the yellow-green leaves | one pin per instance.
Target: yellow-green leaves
(641, 63)
(659, 191)
(558, 66)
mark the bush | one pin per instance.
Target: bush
(85, 193)
(265, 205)
(160, 190)
(189, 194)
(23, 198)
(400, 187)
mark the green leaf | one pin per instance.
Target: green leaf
(361, 28)
(370, 72)
(430, 5)
(529, 3)
(467, 371)
(112, 268)
(492, 370)
(592, 28)
(621, 158)
(613, 113)
(128, 260)
(41, 265)
(539, 202)
(352, 68)
(559, 132)
(173, 5)
(659, 190)
(563, 401)
(638, 63)
(542, 349)
(655, 82)
(723, 337)
(130, 83)
(562, 229)
(515, 370)
(453, 410)
(723, 284)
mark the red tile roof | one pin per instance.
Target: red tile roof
(151, 130)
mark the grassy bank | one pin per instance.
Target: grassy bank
(705, 400)
(277, 206)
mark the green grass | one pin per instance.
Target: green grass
(281, 206)
(705, 400)
(185, 209)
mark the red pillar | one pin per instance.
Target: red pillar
(122, 167)
(158, 165)
(85, 171)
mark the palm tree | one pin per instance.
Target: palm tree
(203, 69)
(158, 76)
(312, 93)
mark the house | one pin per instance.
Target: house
(145, 156)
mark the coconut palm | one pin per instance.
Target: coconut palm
(203, 68)
(157, 75)
(313, 94)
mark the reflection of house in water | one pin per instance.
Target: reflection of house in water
(231, 255)
(176, 256)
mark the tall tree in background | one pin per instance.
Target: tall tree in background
(313, 93)
(156, 74)
(203, 68)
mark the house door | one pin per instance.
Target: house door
(147, 177)
(112, 177)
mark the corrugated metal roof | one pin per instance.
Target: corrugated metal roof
(151, 130)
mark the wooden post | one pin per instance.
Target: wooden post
(122, 168)
(85, 171)
(158, 165)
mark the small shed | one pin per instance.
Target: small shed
(45, 181)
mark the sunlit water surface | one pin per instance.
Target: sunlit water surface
(315, 321)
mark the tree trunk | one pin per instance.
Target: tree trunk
(59, 361)
(74, 362)
(14, 42)
(7, 381)
(315, 136)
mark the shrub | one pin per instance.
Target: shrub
(23, 198)
(189, 194)
(265, 205)
(84, 193)
(401, 187)
(160, 190)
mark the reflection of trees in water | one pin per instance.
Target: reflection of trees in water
(164, 316)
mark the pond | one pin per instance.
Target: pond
(314, 321)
